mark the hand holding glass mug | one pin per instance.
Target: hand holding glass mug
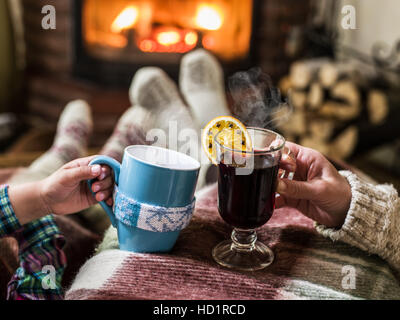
(317, 190)
(275, 173)
(246, 195)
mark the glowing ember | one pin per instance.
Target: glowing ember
(209, 17)
(191, 38)
(167, 38)
(147, 45)
(126, 19)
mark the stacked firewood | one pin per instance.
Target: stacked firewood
(334, 104)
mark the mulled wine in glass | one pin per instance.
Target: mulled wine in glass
(247, 182)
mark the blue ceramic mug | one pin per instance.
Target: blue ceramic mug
(153, 198)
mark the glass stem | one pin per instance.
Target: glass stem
(243, 240)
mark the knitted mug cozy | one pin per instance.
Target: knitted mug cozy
(150, 217)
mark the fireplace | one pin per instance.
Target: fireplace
(115, 38)
(67, 63)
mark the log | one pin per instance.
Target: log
(316, 144)
(339, 111)
(341, 148)
(321, 129)
(316, 96)
(298, 99)
(303, 72)
(345, 103)
(295, 125)
(345, 144)
(377, 106)
(346, 91)
(333, 72)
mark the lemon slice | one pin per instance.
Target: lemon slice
(233, 134)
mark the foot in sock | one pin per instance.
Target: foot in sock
(155, 91)
(201, 82)
(131, 129)
(73, 131)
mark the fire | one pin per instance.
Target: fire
(147, 45)
(191, 38)
(126, 19)
(119, 29)
(209, 17)
(167, 38)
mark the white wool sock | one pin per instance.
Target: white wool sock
(154, 90)
(131, 129)
(73, 131)
(202, 85)
(173, 126)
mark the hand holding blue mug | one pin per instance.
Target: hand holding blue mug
(154, 196)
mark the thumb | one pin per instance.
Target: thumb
(296, 189)
(83, 173)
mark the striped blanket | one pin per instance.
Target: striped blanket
(306, 266)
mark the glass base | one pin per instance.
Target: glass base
(229, 254)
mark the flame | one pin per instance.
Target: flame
(191, 38)
(126, 19)
(209, 17)
(167, 38)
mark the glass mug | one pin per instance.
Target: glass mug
(247, 182)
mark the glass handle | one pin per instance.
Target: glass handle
(288, 166)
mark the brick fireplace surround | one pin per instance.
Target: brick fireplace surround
(50, 82)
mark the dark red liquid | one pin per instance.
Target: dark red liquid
(246, 201)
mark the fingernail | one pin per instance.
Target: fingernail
(95, 169)
(96, 188)
(281, 187)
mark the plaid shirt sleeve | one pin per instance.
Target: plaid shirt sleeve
(42, 260)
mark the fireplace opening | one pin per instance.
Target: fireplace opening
(115, 38)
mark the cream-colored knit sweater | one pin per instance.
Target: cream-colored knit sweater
(373, 221)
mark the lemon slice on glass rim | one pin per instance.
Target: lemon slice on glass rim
(231, 134)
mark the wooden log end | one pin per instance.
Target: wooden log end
(315, 96)
(378, 107)
(344, 145)
(340, 111)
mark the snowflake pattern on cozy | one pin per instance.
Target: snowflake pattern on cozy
(150, 217)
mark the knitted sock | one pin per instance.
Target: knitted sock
(131, 129)
(154, 90)
(202, 85)
(73, 130)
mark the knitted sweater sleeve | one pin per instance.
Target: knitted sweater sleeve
(372, 222)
